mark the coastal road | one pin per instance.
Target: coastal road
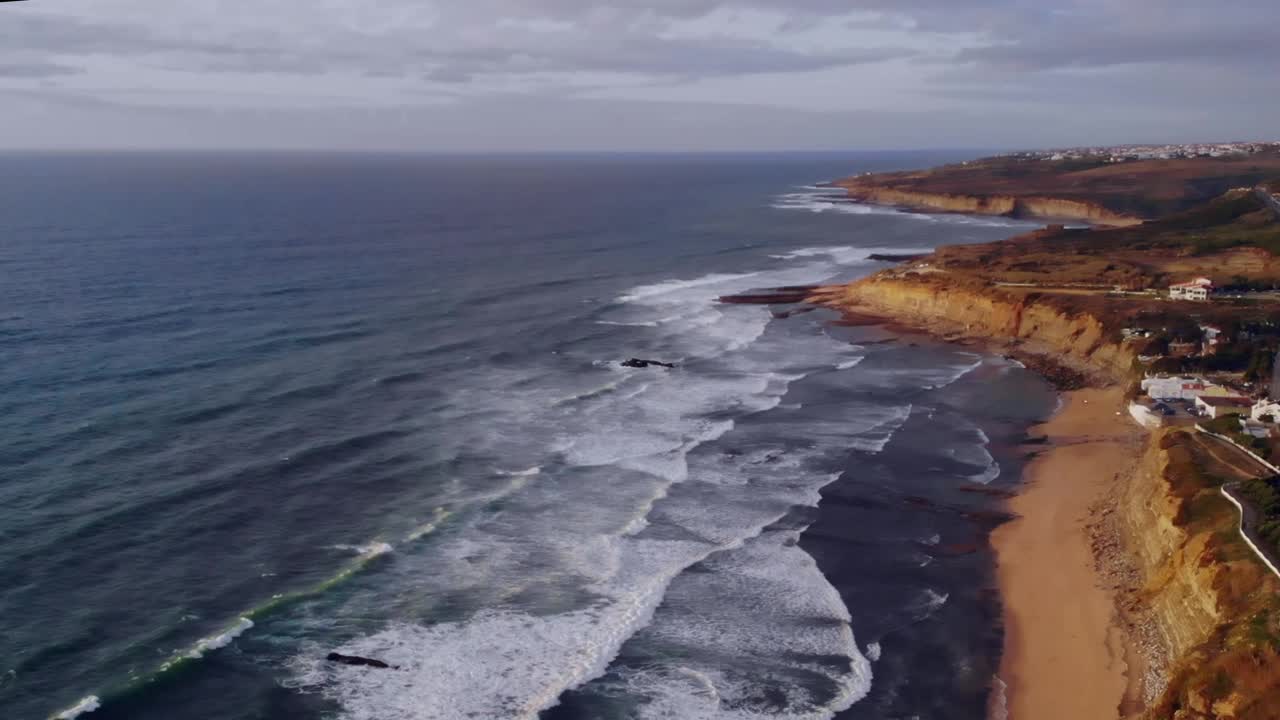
(1268, 199)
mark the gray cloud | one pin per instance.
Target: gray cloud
(1208, 36)
(1139, 63)
(627, 40)
(38, 69)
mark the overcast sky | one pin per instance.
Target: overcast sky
(472, 75)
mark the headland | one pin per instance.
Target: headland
(1101, 186)
(1124, 572)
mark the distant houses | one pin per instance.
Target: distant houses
(1199, 290)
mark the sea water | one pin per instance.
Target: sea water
(260, 408)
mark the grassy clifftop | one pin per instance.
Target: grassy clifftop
(1232, 236)
(1140, 189)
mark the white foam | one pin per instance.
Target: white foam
(927, 604)
(773, 610)
(645, 293)
(833, 200)
(525, 662)
(873, 652)
(999, 699)
(428, 527)
(850, 364)
(845, 254)
(945, 377)
(85, 705)
(221, 640)
(647, 323)
(988, 475)
(977, 455)
(625, 447)
(827, 200)
(527, 472)
(514, 664)
(369, 550)
(886, 424)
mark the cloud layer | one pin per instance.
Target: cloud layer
(1115, 67)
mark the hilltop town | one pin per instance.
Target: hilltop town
(1133, 153)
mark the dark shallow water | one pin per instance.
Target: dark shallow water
(259, 408)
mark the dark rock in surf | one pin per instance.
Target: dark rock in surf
(636, 363)
(897, 257)
(772, 296)
(359, 661)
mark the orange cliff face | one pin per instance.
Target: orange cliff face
(1079, 342)
(1201, 610)
(1208, 607)
(1004, 205)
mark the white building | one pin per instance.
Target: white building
(1173, 388)
(1265, 408)
(1216, 407)
(1198, 289)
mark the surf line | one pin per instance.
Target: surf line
(245, 622)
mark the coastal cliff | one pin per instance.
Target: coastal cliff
(1204, 607)
(1030, 329)
(1174, 583)
(1202, 615)
(995, 204)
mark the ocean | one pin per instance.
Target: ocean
(257, 408)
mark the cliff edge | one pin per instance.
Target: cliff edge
(1203, 608)
(989, 204)
(1055, 340)
(1093, 189)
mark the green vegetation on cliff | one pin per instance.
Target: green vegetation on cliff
(1145, 189)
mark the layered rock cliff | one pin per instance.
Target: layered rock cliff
(1079, 342)
(1206, 604)
(1175, 585)
(1005, 205)
(1203, 611)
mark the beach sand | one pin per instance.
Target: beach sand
(1065, 653)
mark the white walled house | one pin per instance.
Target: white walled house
(1216, 407)
(1265, 408)
(1198, 290)
(1173, 388)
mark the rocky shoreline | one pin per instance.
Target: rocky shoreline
(1117, 568)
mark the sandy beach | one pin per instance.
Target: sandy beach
(1065, 655)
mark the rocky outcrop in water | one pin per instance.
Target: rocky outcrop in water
(357, 661)
(641, 364)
